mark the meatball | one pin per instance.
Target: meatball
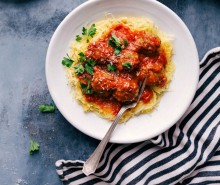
(145, 43)
(154, 69)
(103, 80)
(105, 83)
(127, 90)
(122, 33)
(128, 60)
(99, 51)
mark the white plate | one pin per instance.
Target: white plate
(172, 105)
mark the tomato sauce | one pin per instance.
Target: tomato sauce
(147, 95)
(123, 59)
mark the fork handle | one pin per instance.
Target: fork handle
(92, 162)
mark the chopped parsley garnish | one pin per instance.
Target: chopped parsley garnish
(89, 68)
(82, 57)
(84, 31)
(67, 61)
(47, 108)
(89, 91)
(125, 43)
(127, 65)
(89, 32)
(78, 38)
(115, 43)
(34, 147)
(79, 69)
(111, 67)
(86, 89)
(92, 30)
(117, 51)
(91, 62)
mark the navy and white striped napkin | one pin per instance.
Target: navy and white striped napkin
(188, 153)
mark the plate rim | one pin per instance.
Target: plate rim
(74, 11)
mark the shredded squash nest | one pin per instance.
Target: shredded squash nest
(134, 23)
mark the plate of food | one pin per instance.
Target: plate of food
(101, 53)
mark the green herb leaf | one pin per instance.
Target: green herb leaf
(89, 68)
(78, 38)
(88, 82)
(127, 65)
(89, 32)
(47, 108)
(79, 69)
(111, 67)
(67, 61)
(92, 30)
(86, 88)
(125, 42)
(89, 91)
(34, 147)
(117, 51)
(111, 43)
(82, 57)
(84, 31)
(114, 41)
(91, 62)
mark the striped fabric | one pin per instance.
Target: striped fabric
(188, 153)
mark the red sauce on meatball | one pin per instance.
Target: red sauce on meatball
(123, 59)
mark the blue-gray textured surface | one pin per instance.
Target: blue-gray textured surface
(26, 27)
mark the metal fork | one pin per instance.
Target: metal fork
(92, 162)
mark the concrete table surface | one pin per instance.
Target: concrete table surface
(26, 27)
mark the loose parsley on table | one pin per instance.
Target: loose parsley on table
(46, 108)
(34, 147)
